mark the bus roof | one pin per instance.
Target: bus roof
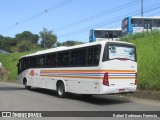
(116, 29)
(62, 48)
(139, 17)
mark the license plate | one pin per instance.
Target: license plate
(121, 90)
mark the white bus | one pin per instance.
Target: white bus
(100, 67)
(131, 25)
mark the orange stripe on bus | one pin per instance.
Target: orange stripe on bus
(74, 77)
(86, 71)
(101, 78)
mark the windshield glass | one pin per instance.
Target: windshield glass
(121, 52)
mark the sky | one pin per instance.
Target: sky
(69, 19)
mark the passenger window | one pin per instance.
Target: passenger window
(63, 59)
(90, 56)
(33, 62)
(51, 60)
(41, 61)
(93, 55)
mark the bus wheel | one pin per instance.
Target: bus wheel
(26, 86)
(61, 90)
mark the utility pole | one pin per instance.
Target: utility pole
(141, 8)
(44, 37)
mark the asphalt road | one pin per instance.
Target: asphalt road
(13, 97)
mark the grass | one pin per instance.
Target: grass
(9, 62)
(148, 57)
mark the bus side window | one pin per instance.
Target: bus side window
(51, 60)
(132, 21)
(82, 57)
(23, 65)
(63, 59)
(41, 61)
(96, 55)
(93, 55)
(33, 62)
(90, 56)
(74, 57)
(66, 58)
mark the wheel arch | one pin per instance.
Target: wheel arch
(25, 80)
(61, 81)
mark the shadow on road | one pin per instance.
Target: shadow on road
(95, 99)
(8, 88)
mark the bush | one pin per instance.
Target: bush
(148, 47)
(24, 46)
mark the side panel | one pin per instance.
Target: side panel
(84, 80)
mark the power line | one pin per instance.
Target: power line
(107, 22)
(61, 4)
(98, 15)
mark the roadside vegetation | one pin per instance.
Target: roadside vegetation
(148, 57)
(9, 64)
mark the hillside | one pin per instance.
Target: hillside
(148, 51)
(9, 62)
(148, 47)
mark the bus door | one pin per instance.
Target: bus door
(147, 25)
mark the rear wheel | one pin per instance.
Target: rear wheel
(61, 90)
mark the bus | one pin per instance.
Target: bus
(102, 67)
(104, 34)
(131, 25)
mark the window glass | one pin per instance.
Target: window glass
(51, 60)
(41, 62)
(90, 56)
(78, 57)
(96, 55)
(63, 59)
(107, 33)
(137, 23)
(33, 62)
(93, 55)
(121, 52)
(156, 23)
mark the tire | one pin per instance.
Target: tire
(61, 90)
(26, 86)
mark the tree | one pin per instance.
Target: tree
(27, 36)
(48, 38)
(6, 42)
(24, 46)
(69, 43)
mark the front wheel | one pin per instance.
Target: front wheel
(26, 86)
(61, 90)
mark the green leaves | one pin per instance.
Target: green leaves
(48, 38)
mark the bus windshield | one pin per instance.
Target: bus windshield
(121, 52)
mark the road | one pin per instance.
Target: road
(13, 97)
